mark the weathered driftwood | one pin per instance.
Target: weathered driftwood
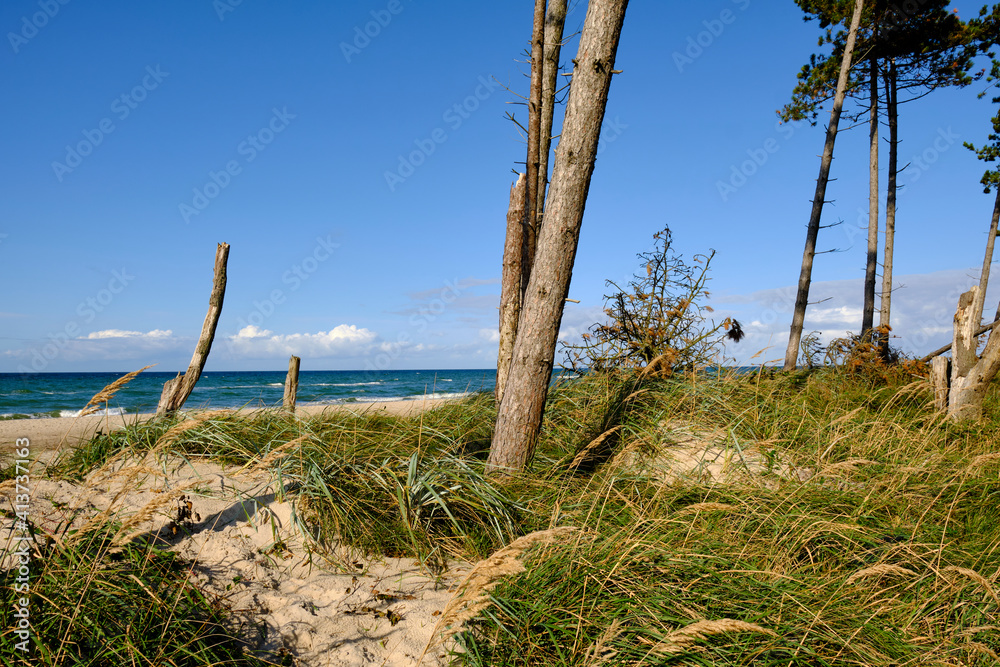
(939, 382)
(177, 390)
(291, 384)
(971, 374)
(510, 282)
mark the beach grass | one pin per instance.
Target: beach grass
(815, 518)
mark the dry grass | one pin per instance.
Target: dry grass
(684, 638)
(106, 394)
(472, 595)
(881, 570)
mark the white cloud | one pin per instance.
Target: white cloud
(490, 335)
(120, 333)
(345, 340)
(923, 306)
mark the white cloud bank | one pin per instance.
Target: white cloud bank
(345, 340)
(923, 306)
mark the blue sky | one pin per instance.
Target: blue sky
(362, 180)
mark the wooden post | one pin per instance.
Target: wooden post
(291, 384)
(177, 390)
(939, 382)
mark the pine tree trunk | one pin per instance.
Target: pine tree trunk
(984, 276)
(885, 307)
(871, 266)
(555, 20)
(510, 283)
(534, 132)
(805, 275)
(177, 390)
(519, 419)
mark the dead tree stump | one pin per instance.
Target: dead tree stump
(291, 384)
(177, 390)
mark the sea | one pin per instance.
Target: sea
(42, 395)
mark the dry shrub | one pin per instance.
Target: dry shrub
(871, 356)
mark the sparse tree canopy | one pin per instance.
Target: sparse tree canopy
(657, 319)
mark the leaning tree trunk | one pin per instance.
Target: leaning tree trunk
(984, 276)
(510, 283)
(555, 20)
(177, 390)
(885, 305)
(519, 419)
(534, 132)
(871, 266)
(805, 275)
(970, 375)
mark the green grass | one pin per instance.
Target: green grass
(93, 605)
(884, 550)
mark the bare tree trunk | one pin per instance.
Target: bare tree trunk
(291, 384)
(510, 283)
(970, 375)
(177, 390)
(885, 305)
(984, 276)
(519, 419)
(805, 276)
(534, 132)
(939, 382)
(871, 266)
(555, 20)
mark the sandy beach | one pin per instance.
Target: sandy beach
(47, 436)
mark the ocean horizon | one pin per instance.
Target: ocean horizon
(47, 395)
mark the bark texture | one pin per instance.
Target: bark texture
(891, 109)
(939, 382)
(534, 133)
(805, 275)
(291, 384)
(970, 375)
(177, 390)
(519, 418)
(510, 282)
(984, 276)
(555, 21)
(871, 265)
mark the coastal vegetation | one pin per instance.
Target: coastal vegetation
(826, 517)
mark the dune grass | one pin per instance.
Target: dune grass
(831, 519)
